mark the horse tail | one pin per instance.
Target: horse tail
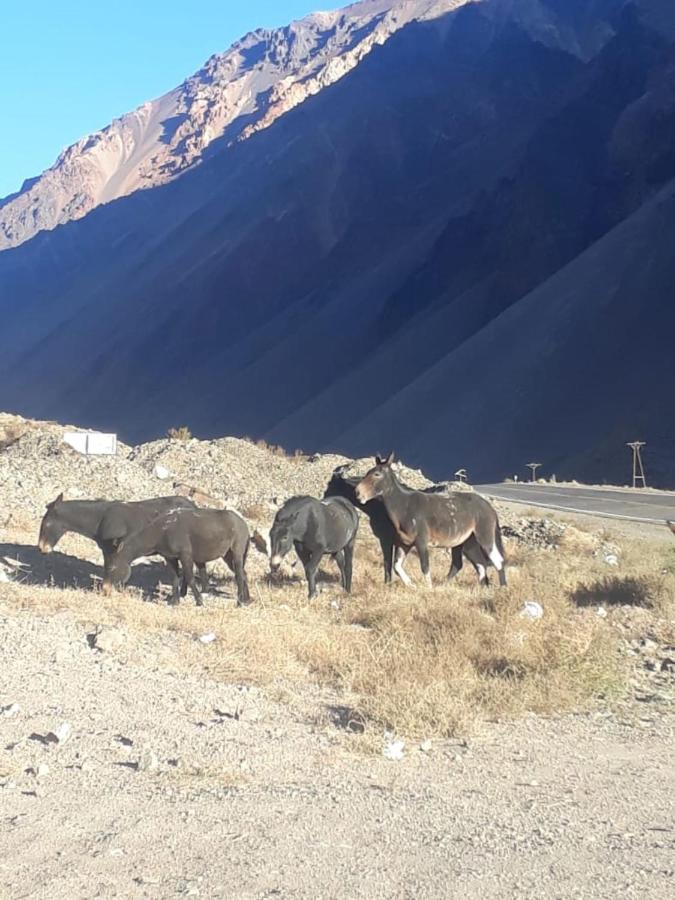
(498, 540)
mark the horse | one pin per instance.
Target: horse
(393, 554)
(104, 521)
(429, 520)
(189, 537)
(316, 528)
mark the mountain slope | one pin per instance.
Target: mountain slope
(348, 276)
(234, 95)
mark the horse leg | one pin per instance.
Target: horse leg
(387, 547)
(188, 566)
(477, 558)
(349, 564)
(339, 558)
(489, 538)
(401, 554)
(236, 562)
(457, 563)
(203, 576)
(311, 565)
(174, 572)
(423, 552)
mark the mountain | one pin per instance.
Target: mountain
(234, 95)
(459, 247)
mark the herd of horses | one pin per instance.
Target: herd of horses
(188, 537)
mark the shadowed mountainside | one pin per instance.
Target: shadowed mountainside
(461, 249)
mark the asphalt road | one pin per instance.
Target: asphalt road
(635, 506)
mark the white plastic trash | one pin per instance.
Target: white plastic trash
(394, 750)
(532, 610)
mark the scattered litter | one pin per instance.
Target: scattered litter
(42, 770)
(602, 612)
(612, 559)
(207, 638)
(426, 746)
(108, 640)
(12, 710)
(394, 750)
(148, 762)
(61, 734)
(532, 610)
(161, 472)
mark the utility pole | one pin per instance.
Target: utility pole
(462, 476)
(638, 468)
(534, 467)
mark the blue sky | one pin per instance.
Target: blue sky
(67, 67)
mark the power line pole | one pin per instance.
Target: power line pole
(534, 467)
(638, 468)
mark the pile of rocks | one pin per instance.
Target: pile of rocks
(540, 534)
(36, 465)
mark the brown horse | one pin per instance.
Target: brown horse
(188, 537)
(425, 520)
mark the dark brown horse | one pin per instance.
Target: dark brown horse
(423, 520)
(393, 552)
(105, 521)
(316, 528)
(188, 537)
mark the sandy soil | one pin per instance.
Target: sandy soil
(174, 785)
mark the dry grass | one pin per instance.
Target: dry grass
(255, 512)
(423, 663)
(277, 450)
(181, 433)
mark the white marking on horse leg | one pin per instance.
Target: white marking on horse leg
(427, 578)
(400, 571)
(482, 573)
(496, 559)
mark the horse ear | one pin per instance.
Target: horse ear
(378, 460)
(58, 500)
(260, 542)
(389, 460)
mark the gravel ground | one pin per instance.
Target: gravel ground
(174, 785)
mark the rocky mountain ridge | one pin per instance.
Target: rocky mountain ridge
(244, 90)
(235, 94)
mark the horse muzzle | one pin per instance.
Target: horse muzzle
(44, 547)
(275, 563)
(361, 495)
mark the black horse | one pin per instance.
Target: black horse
(393, 551)
(104, 521)
(428, 520)
(316, 528)
(188, 537)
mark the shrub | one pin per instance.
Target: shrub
(179, 434)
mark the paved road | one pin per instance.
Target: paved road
(635, 506)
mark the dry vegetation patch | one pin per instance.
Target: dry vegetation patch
(421, 663)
